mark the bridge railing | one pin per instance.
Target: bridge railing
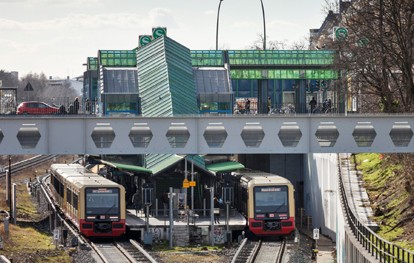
(378, 247)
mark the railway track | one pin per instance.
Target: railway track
(20, 166)
(107, 252)
(121, 252)
(260, 252)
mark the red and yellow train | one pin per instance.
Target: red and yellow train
(94, 204)
(267, 201)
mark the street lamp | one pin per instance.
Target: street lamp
(218, 14)
(264, 26)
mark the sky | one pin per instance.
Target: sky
(55, 37)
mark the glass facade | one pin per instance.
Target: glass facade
(283, 74)
(92, 63)
(121, 103)
(118, 80)
(207, 58)
(286, 76)
(117, 58)
(280, 57)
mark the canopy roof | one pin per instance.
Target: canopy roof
(128, 167)
(224, 167)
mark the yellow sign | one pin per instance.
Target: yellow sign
(186, 184)
(192, 183)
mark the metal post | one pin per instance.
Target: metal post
(212, 215)
(186, 178)
(171, 217)
(192, 188)
(156, 207)
(8, 189)
(217, 27)
(227, 217)
(14, 213)
(9, 185)
(204, 206)
(264, 26)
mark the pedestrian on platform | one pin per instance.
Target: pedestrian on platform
(216, 209)
(136, 201)
(312, 104)
(165, 200)
(247, 107)
(76, 106)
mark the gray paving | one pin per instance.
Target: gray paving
(137, 221)
(355, 191)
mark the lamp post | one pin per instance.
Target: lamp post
(264, 26)
(218, 14)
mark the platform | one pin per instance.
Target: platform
(137, 221)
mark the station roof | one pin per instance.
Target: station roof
(224, 167)
(128, 167)
(173, 159)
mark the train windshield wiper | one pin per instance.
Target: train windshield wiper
(109, 209)
(280, 206)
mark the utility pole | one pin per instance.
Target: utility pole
(9, 185)
(217, 27)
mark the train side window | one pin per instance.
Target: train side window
(75, 201)
(69, 196)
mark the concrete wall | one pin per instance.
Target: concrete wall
(321, 192)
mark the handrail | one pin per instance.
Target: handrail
(378, 247)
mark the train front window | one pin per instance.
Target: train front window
(271, 199)
(102, 201)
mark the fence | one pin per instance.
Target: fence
(378, 247)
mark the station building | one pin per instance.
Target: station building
(219, 81)
(162, 77)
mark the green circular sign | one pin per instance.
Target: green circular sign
(143, 40)
(158, 32)
(341, 33)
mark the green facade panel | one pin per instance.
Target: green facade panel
(117, 58)
(166, 82)
(207, 58)
(92, 63)
(283, 74)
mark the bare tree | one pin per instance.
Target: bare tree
(378, 53)
(63, 94)
(277, 44)
(8, 80)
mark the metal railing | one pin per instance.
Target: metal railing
(378, 247)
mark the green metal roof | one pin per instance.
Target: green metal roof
(198, 160)
(127, 167)
(166, 82)
(224, 167)
(171, 160)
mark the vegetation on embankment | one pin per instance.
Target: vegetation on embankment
(389, 180)
(26, 243)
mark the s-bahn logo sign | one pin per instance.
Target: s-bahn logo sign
(158, 32)
(340, 33)
(144, 39)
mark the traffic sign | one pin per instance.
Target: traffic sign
(316, 233)
(192, 183)
(186, 184)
